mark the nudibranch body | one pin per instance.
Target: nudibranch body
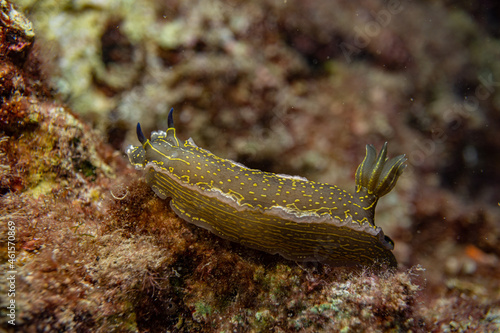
(299, 219)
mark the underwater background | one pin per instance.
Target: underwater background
(291, 87)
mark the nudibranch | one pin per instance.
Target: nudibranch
(301, 220)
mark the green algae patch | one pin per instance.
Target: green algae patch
(202, 311)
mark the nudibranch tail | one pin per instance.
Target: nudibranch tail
(378, 175)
